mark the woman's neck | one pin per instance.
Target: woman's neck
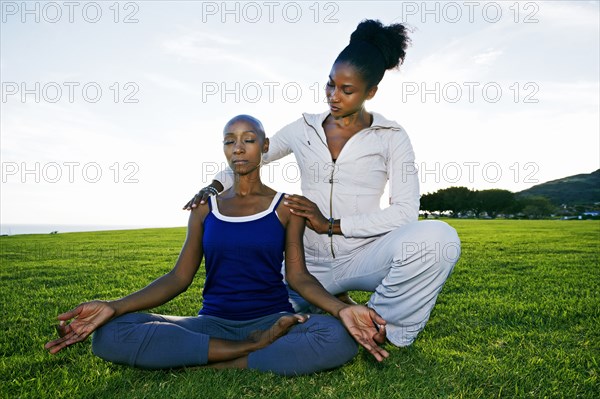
(360, 119)
(244, 185)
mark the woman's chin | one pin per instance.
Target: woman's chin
(243, 168)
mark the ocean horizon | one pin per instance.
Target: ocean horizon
(18, 229)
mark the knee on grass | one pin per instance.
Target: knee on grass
(321, 343)
(115, 340)
(432, 240)
(331, 342)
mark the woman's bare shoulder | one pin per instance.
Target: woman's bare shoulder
(283, 212)
(199, 213)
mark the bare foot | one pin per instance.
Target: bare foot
(281, 327)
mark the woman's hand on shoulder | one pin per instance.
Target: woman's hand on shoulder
(202, 196)
(303, 207)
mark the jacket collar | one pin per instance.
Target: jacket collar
(379, 122)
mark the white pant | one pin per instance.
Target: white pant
(406, 268)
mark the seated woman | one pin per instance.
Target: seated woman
(246, 320)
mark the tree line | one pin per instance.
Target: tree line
(463, 201)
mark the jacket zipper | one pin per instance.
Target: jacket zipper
(332, 172)
(331, 206)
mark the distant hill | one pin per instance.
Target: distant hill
(572, 190)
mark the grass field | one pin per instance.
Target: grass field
(519, 317)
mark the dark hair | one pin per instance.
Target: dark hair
(375, 48)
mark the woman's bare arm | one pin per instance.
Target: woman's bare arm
(89, 316)
(178, 279)
(359, 320)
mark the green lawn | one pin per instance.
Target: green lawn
(519, 317)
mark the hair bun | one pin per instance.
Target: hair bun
(391, 40)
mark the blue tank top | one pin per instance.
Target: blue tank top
(243, 257)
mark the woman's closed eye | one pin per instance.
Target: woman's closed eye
(345, 91)
(229, 142)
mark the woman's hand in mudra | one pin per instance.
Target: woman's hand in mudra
(367, 327)
(87, 317)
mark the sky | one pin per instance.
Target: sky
(112, 112)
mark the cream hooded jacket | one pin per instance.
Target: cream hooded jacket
(350, 188)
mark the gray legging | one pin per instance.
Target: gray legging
(160, 342)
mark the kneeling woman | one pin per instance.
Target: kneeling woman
(246, 320)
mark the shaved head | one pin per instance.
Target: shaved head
(255, 125)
